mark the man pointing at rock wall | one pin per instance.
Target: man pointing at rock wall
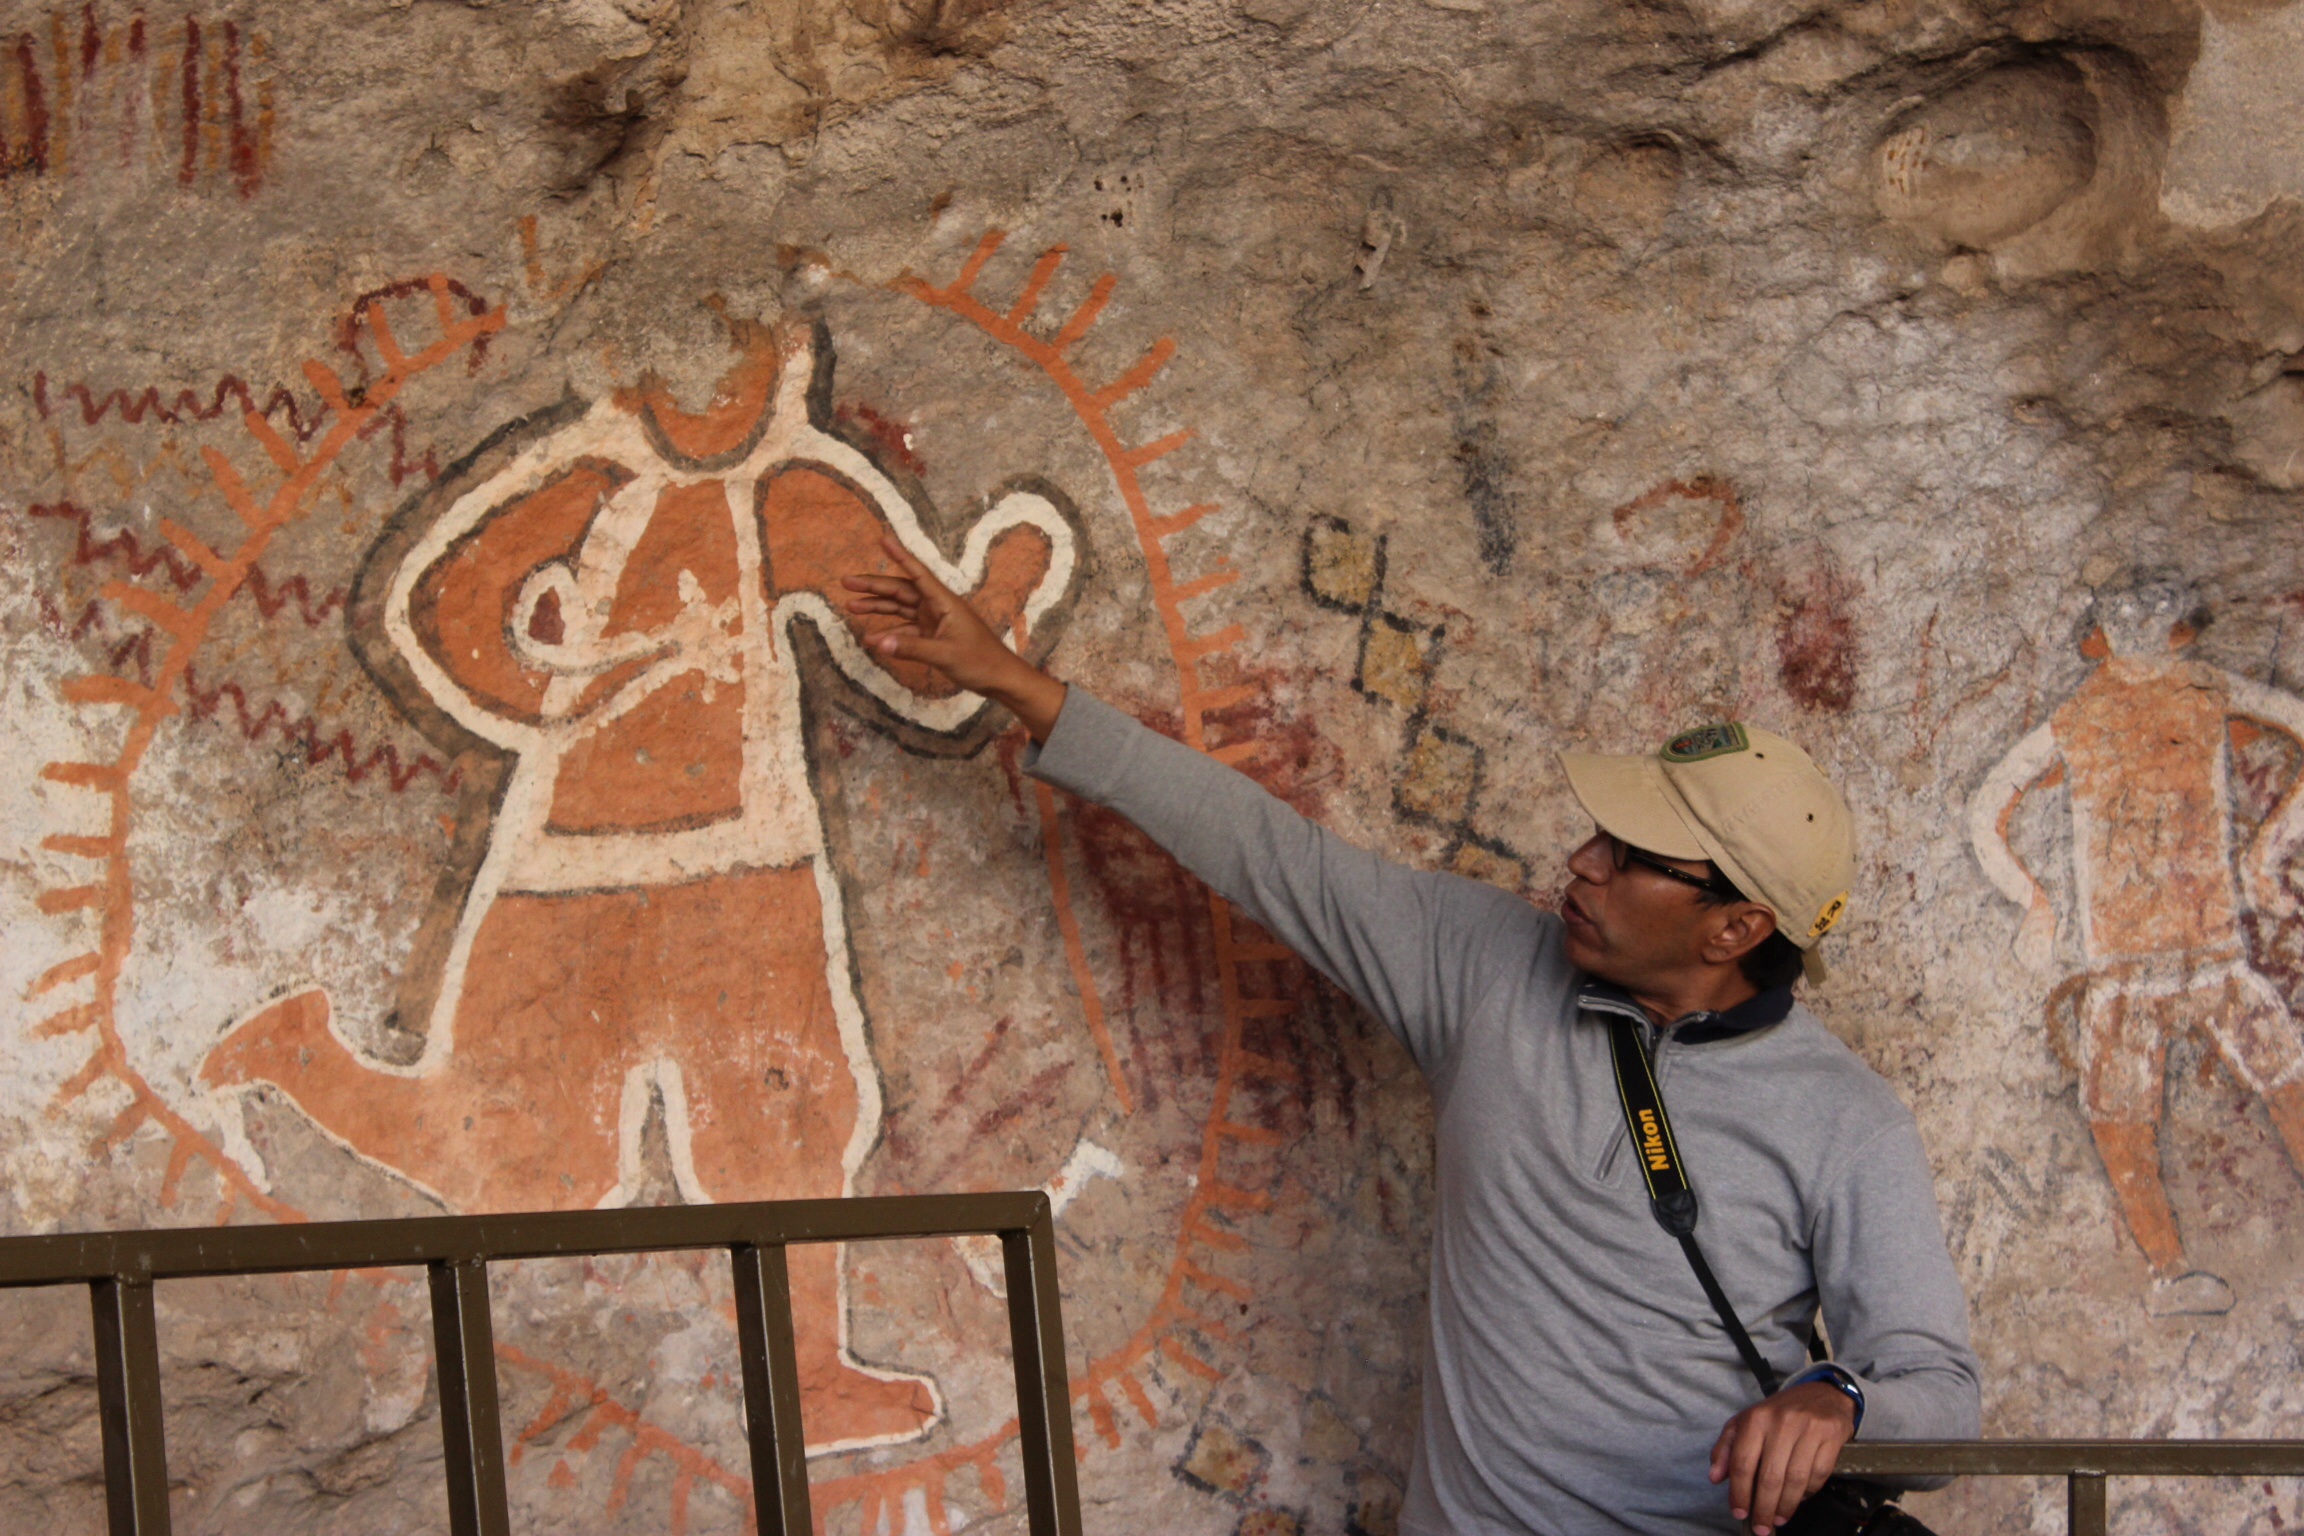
(1597, 1353)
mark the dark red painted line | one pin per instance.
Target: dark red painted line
(35, 152)
(134, 408)
(307, 734)
(191, 165)
(133, 100)
(244, 166)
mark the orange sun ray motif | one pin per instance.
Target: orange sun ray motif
(111, 895)
(1179, 1332)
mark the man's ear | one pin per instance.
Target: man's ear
(1747, 927)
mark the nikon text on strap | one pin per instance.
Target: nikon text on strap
(1669, 1196)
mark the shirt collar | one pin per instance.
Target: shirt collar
(1700, 1027)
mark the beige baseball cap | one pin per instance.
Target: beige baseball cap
(1748, 800)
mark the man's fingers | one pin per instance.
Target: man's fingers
(923, 579)
(1800, 1457)
(883, 586)
(1768, 1485)
(1743, 1464)
(895, 605)
(1723, 1447)
(897, 642)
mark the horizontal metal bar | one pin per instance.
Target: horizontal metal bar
(2063, 1458)
(175, 1253)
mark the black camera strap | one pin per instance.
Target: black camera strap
(1845, 1506)
(1669, 1196)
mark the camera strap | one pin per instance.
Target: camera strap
(1670, 1198)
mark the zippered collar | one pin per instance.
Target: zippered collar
(1698, 1028)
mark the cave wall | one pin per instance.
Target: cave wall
(435, 780)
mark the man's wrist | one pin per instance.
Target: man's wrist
(1033, 697)
(1841, 1380)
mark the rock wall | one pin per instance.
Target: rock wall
(435, 779)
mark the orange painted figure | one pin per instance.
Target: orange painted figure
(2142, 747)
(651, 918)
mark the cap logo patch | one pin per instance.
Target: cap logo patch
(1830, 915)
(1705, 741)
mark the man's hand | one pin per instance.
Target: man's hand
(936, 628)
(1778, 1451)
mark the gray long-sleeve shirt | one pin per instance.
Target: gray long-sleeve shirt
(1575, 1377)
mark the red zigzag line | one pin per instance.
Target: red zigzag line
(133, 409)
(122, 546)
(135, 647)
(282, 401)
(306, 732)
(270, 599)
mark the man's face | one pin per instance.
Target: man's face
(1635, 925)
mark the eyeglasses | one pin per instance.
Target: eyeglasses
(1625, 856)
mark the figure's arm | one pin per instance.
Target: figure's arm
(2277, 839)
(1017, 562)
(453, 591)
(1989, 811)
(1416, 948)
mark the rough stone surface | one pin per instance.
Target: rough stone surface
(1379, 393)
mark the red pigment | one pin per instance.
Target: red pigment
(890, 434)
(348, 328)
(244, 167)
(191, 166)
(35, 151)
(306, 733)
(1816, 643)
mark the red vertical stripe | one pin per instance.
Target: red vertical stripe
(191, 165)
(244, 166)
(132, 100)
(35, 152)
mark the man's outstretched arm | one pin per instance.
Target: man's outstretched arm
(1413, 947)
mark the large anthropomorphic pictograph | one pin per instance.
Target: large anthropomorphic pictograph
(608, 621)
(2142, 748)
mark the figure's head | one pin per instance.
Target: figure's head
(2146, 618)
(1726, 848)
(732, 419)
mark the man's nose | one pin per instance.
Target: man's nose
(1591, 862)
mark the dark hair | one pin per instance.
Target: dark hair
(1773, 962)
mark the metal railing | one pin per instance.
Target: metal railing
(2083, 1464)
(120, 1269)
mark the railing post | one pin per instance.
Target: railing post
(771, 1389)
(464, 1340)
(128, 1402)
(2084, 1498)
(1043, 1393)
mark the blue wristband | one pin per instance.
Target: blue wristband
(1837, 1376)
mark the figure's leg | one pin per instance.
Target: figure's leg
(2122, 1060)
(2260, 1038)
(521, 1112)
(2122, 1087)
(762, 1101)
